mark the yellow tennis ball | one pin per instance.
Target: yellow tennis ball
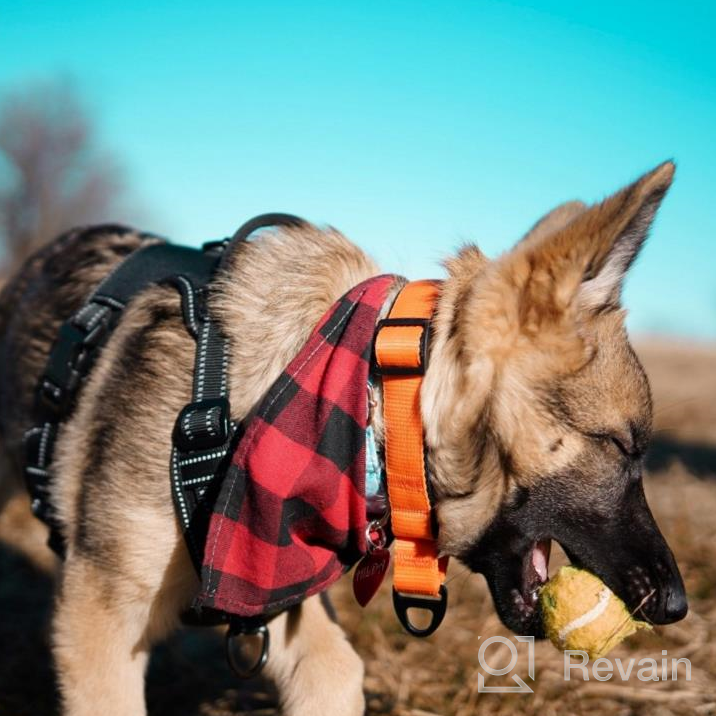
(580, 612)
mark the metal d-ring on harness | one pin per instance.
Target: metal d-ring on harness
(203, 433)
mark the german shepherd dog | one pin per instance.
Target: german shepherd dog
(536, 409)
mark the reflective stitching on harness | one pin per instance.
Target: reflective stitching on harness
(202, 458)
(197, 480)
(190, 300)
(81, 313)
(207, 421)
(113, 302)
(180, 496)
(127, 279)
(186, 427)
(202, 362)
(42, 453)
(224, 368)
(101, 313)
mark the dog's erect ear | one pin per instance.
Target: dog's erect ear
(633, 211)
(553, 221)
(581, 266)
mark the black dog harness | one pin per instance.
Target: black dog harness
(203, 433)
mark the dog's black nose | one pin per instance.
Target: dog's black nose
(671, 606)
(675, 606)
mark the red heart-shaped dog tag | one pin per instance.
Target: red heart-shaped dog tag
(369, 575)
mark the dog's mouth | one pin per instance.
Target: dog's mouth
(523, 613)
(624, 548)
(515, 575)
(516, 570)
(517, 565)
(535, 573)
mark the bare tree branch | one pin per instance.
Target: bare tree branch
(52, 174)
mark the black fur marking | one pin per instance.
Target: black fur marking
(132, 374)
(612, 534)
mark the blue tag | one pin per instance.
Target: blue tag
(375, 492)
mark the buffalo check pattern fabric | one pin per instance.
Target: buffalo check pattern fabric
(290, 517)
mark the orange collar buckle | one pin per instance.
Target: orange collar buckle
(401, 348)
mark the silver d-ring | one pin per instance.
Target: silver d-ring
(234, 633)
(376, 527)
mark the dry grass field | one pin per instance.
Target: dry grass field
(408, 677)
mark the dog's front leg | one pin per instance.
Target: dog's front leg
(99, 645)
(316, 669)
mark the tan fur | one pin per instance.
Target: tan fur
(554, 221)
(313, 664)
(148, 579)
(503, 329)
(277, 278)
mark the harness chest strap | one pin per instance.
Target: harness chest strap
(401, 359)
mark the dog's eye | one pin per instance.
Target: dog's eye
(623, 441)
(621, 444)
(627, 444)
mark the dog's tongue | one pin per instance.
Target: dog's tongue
(540, 558)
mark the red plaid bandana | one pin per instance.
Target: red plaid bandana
(291, 515)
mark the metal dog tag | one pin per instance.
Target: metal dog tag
(372, 568)
(369, 575)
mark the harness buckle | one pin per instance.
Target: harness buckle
(203, 425)
(391, 337)
(51, 396)
(71, 359)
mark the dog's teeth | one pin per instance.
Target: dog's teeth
(540, 558)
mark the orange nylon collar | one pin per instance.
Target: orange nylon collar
(401, 353)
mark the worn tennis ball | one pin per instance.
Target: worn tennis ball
(580, 612)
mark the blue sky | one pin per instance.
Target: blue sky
(411, 126)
